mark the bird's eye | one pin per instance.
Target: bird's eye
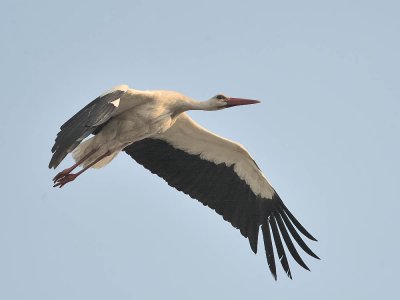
(220, 96)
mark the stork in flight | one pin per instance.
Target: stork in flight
(154, 129)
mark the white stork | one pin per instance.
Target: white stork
(153, 128)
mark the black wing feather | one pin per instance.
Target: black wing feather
(220, 188)
(82, 124)
(289, 243)
(279, 246)
(269, 249)
(297, 223)
(297, 237)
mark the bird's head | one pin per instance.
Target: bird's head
(221, 101)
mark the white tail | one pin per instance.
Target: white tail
(87, 146)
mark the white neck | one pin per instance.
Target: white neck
(199, 105)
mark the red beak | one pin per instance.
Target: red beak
(238, 101)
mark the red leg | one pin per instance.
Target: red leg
(70, 169)
(60, 182)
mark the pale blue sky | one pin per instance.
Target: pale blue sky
(326, 135)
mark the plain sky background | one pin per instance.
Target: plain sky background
(326, 135)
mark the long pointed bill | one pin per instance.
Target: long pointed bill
(238, 101)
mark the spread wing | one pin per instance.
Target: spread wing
(222, 175)
(85, 122)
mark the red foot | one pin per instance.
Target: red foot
(64, 179)
(61, 174)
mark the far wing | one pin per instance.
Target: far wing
(223, 176)
(85, 122)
